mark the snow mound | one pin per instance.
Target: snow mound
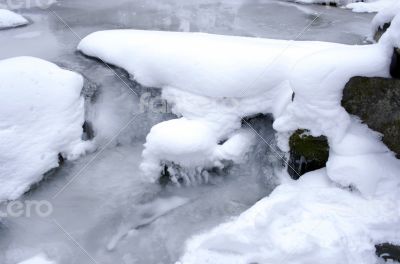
(9, 19)
(198, 82)
(41, 115)
(309, 221)
(363, 6)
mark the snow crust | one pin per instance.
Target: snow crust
(41, 115)
(10, 19)
(214, 81)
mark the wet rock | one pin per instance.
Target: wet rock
(376, 101)
(388, 251)
(307, 153)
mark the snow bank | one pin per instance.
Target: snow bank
(198, 82)
(41, 115)
(309, 221)
(38, 259)
(10, 19)
(213, 81)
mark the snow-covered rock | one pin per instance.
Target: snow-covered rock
(9, 19)
(214, 81)
(41, 115)
(195, 71)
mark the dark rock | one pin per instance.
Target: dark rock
(380, 31)
(388, 251)
(376, 101)
(307, 153)
(395, 64)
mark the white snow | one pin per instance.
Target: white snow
(198, 82)
(384, 16)
(372, 6)
(364, 6)
(309, 221)
(213, 81)
(38, 259)
(41, 115)
(338, 2)
(10, 19)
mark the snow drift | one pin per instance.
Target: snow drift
(41, 115)
(308, 221)
(214, 81)
(9, 19)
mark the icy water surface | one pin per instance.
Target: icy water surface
(102, 211)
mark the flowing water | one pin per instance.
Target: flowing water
(102, 211)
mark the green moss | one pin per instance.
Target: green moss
(307, 153)
(312, 148)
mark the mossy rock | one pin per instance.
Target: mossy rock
(376, 101)
(307, 153)
(395, 62)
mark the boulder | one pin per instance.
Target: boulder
(376, 101)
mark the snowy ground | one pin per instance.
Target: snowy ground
(107, 209)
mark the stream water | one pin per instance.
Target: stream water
(102, 211)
